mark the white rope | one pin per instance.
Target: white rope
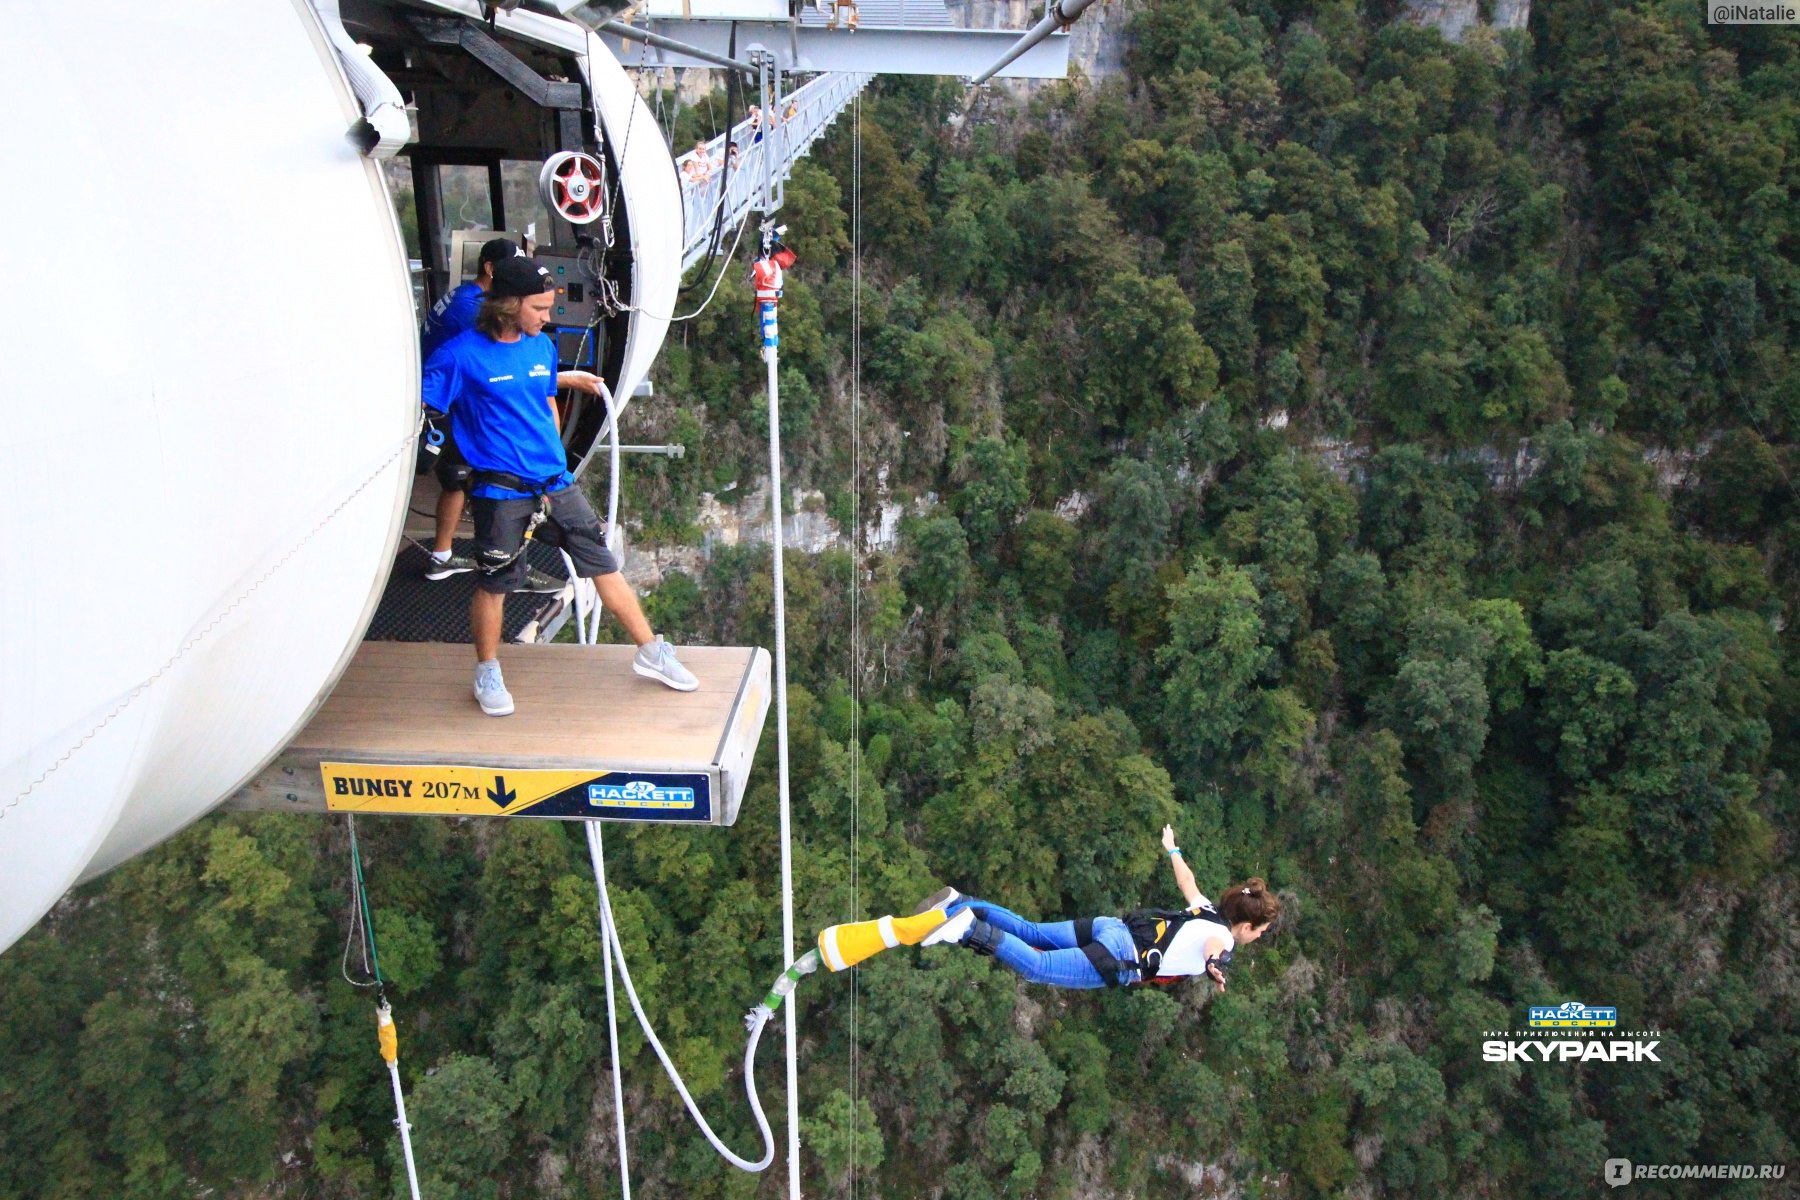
(613, 484)
(597, 853)
(588, 608)
(612, 1013)
(771, 355)
(387, 1036)
(584, 599)
(587, 633)
(612, 487)
(855, 609)
(405, 1128)
(715, 287)
(355, 934)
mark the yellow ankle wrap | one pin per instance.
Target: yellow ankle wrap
(843, 946)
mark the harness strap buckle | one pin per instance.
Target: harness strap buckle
(1104, 960)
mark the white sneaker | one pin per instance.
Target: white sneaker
(951, 931)
(444, 568)
(941, 900)
(490, 690)
(656, 660)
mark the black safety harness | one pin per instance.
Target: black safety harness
(515, 483)
(492, 562)
(1153, 931)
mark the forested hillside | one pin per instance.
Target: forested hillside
(1372, 455)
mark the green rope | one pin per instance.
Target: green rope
(362, 900)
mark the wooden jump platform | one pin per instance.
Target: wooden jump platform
(401, 734)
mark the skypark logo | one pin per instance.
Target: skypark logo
(1579, 1045)
(1570, 1050)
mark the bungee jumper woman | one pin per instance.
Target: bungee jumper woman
(1147, 945)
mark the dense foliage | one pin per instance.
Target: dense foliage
(1372, 455)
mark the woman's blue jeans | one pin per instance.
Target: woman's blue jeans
(1045, 952)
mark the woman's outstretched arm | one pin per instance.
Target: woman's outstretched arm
(1184, 878)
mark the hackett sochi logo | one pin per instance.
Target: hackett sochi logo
(1579, 1046)
(1572, 1014)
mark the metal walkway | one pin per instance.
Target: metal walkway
(415, 609)
(765, 158)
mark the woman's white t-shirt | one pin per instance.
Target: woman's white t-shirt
(1187, 954)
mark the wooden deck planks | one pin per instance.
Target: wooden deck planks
(574, 704)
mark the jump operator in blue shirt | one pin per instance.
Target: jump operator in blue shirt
(449, 317)
(498, 382)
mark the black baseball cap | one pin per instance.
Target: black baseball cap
(520, 277)
(497, 249)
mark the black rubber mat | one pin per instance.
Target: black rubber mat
(416, 609)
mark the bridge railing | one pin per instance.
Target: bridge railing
(766, 155)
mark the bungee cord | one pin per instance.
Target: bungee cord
(387, 1035)
(855, 610)
(611, 947)
(754, 1022)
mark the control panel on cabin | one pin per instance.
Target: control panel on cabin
(573, 313)
(574, 289)
(578, 345)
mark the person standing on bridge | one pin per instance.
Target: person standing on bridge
(837, 10)
(699, 166)
(498, 382)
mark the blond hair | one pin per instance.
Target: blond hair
(498, 315)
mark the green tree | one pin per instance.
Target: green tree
(1439, 699)
(847, 1146)
(1587, 704)
(462, 1116)
(1147, 361)
(1214, 661)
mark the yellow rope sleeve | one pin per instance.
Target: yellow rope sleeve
(843, 946)
(389, 1036)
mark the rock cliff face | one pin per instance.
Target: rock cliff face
(1099, 38)
(1454, 18)
(805, 529)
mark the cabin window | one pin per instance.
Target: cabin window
(399, 173)
(468, 202)
(525, 211)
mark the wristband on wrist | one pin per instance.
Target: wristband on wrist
(1175, 853)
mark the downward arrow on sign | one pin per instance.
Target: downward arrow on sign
(498, 793)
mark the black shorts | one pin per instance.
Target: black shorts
(572, 525)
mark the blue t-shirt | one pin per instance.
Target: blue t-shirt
(498, 395)
(449, 317)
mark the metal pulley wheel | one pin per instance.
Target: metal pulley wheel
(570, 186)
